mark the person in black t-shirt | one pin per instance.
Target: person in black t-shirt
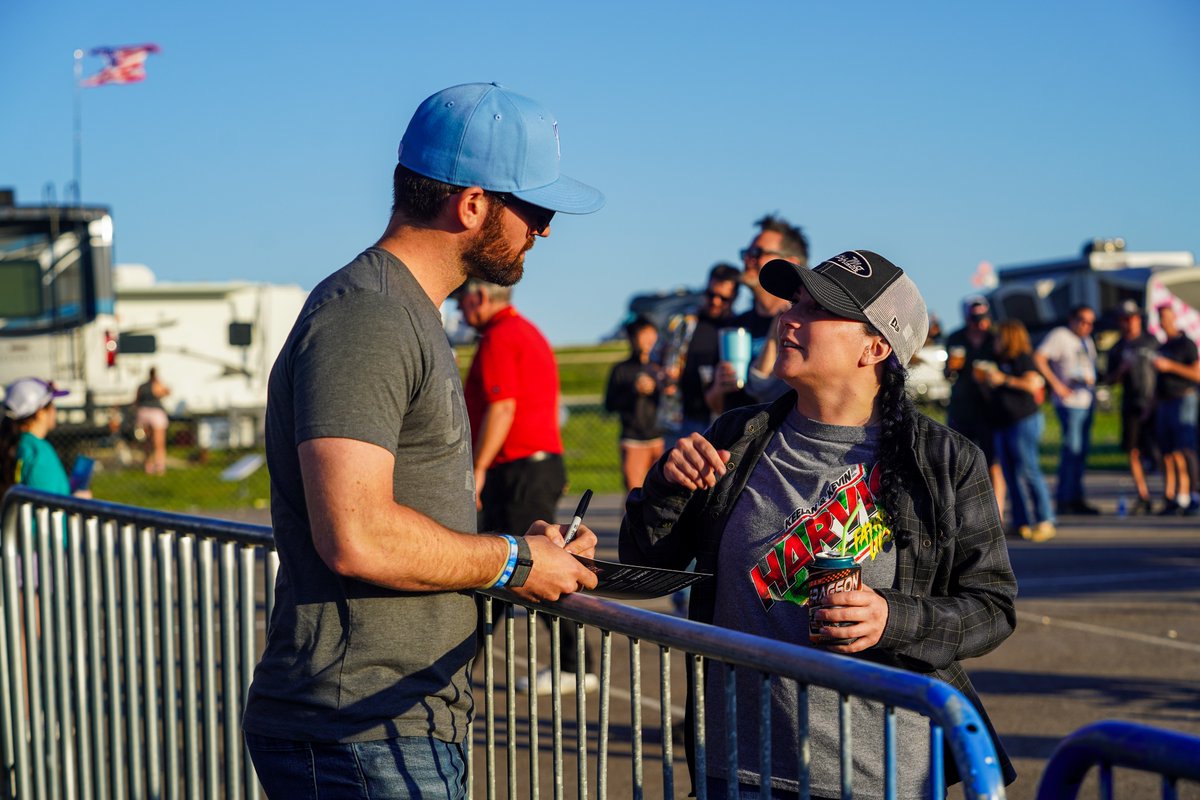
(1131, 364)
(968, 411)
(1014, 384)
(1178, 367)
(776, 239)
(632, 393)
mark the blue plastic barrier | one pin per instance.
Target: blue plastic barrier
(1111, 744)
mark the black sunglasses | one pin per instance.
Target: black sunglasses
(536, 217)
(757, 252)
(711, 295)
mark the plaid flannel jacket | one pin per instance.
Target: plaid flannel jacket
(954, 595)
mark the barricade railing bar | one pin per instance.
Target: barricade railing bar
(1173, 755)
(130, 638)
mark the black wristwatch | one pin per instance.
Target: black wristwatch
(524, 564)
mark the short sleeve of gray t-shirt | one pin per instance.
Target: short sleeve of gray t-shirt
(814, 486)
(345, 660)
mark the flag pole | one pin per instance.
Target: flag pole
(78, 138)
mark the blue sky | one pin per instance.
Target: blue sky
(940, 134)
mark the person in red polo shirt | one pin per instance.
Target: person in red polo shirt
(512, 404)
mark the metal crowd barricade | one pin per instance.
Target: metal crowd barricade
(129, 638)
(1112, 743)
(953, 720)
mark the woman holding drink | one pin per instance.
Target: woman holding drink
(842, 462)
(1016, 386)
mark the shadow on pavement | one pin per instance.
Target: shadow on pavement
(1040, 747)
(1163, 701)
(1064, 569)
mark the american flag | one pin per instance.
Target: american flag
(125, 64)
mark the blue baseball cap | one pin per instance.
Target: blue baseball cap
(481, 134)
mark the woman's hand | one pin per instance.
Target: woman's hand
(694, 463)
(864, 608)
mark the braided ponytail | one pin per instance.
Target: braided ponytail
(897, 417)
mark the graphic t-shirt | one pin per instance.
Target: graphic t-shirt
(815, 487)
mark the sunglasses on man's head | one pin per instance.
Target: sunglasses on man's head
(536, 217)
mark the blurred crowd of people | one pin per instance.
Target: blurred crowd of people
(1000, 381)
(679, 379)
(676, 382)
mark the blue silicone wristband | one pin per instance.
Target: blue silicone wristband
(507, 573)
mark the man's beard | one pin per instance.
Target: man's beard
(489, 258)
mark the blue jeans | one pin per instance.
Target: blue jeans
(1017, 447)
(388, 769)
(1076, 441)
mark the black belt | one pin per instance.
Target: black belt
(532, 458)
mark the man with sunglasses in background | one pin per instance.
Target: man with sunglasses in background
(1067, 360)
(364, 687)
(688, 353)
(776, 239)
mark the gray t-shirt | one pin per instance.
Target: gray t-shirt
(346, 660)
(814, 485)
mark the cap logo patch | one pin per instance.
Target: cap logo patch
(853, 263)
(895, 323)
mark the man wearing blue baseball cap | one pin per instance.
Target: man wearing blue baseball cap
(363, 689)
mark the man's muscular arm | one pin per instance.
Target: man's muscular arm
(360, 532)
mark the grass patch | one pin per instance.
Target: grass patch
(591, 451)
(189, 485)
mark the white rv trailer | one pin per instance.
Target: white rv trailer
(66, 315)
(1103, 276)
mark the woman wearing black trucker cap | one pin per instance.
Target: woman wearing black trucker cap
(843, 461)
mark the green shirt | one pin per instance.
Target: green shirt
(39, 467)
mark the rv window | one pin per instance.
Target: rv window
(240, 334)
(20, 289)
(137, 343)
(58, 283)
(1061, 301)
(1023, 307)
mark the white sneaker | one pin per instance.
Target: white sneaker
(544, 683)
